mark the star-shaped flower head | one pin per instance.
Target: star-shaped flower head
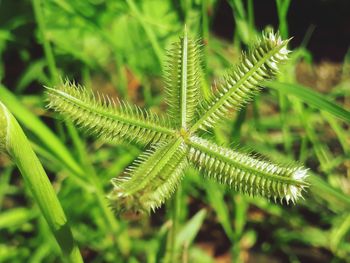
(173, 142)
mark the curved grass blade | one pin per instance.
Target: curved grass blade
(36, 126)
(337, 200)
(311, 97)
(14, 142)
(188, 232)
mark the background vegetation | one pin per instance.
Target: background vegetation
(118, 48)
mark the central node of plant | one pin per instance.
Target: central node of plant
(184, 134)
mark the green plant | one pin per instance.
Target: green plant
(176, 140)
(14, 143)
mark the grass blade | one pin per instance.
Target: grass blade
(311, 97)
(15, 217)
(14, 142)
(335, 198)
(36, 126)
(189, 231)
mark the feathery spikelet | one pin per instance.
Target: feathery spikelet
(240, 84)
(111, 121)
(152, 178)
(182, 78)
(175, 144)
(247, 174)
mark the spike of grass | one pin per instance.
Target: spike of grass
(243, 82)
(155, 174)
(248, 174)
(110, 120)
(182, 77)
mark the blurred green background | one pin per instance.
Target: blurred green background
(118, 48)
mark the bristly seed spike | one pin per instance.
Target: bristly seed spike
(172, 141)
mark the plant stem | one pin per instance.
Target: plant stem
(171, 250)
(31, 122)
(151, 35)
(93, 178)
(39, 17)
(183, 94)
(14, 142)
(111, 220)
(95, 182)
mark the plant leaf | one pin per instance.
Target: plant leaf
(37, 127)
(189, 231)
(311, 97)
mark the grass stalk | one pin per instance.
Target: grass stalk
(39, 17)
(14, 142)
(30, 121)
(110, 218)
(148, 30)
(171, 253)
(92, 176)
(282, 11)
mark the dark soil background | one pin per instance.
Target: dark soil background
(330, 19)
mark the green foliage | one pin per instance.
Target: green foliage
(117, 48)
(312, 98)
(154, 175)
(3, 130)
(16, 145)
(45, 135)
